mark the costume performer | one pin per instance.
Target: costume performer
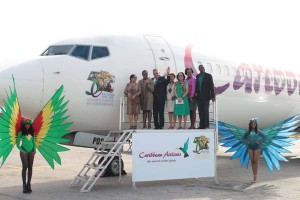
(27, 152)
(44, 134)
(249, 144)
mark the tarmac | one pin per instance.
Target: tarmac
(233, 181)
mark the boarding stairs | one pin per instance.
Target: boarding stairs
(107, 151)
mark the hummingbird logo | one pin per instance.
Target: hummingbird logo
(185, 148)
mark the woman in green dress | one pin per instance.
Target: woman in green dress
(27, 151)
(181, 106)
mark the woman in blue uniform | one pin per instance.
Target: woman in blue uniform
(27, 152)
(253, 138)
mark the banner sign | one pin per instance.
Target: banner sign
(172, 154)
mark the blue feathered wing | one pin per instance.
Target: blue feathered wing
(233, 138)
(277, 137)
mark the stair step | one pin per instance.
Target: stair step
(82, 190)
(83, 178)
(116, 132)
(93, 166)
(100, 153)
(111, 142)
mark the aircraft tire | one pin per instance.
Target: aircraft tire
(113, 167)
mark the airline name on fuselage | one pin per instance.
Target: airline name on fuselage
(274, 80)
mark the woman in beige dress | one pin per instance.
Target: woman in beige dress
(133, 91)
(147, 89)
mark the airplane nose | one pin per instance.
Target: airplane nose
(29, 85)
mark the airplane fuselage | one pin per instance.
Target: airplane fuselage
(94, 72)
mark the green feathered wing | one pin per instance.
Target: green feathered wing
(10, 124)
(49, 127)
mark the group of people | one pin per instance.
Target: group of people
(181, 98)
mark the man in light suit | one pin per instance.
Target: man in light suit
(205, 92)
(159, 97)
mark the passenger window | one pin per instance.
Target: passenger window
(208, 68)
(233, 70)
(226, 70)
(81, 51)
(218, 68)
(99, 52)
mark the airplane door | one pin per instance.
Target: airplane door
(162, 54)
(54, 71)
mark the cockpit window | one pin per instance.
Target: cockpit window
(99, 52)
(57, 50)
(85, 52)
(81, 51)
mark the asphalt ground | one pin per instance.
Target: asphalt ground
(233, 181)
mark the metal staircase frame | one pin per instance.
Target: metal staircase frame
(94, 168)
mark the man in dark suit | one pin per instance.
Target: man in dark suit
(205, 92)
(160, 83)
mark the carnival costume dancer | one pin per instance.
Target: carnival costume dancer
(27, 152)
(253, 139)
(44, 134)
(249, 144)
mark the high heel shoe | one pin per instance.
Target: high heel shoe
(25, 190)
(29, 188)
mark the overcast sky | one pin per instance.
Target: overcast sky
(261, 31)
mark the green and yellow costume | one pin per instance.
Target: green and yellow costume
(28, 143)
(48, 128)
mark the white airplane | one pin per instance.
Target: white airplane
(95, 70)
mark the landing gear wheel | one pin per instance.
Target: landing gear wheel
(113, 167)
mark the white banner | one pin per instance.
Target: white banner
(172, 154)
